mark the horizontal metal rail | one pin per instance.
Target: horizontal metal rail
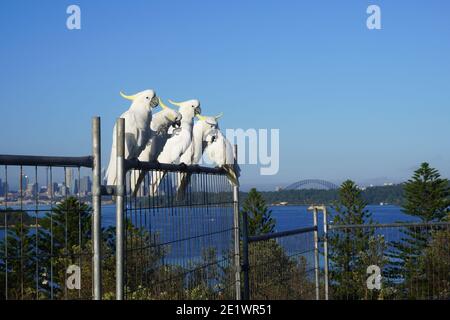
(41, 161)
(280, 234)
(148, 166)
(388, 225)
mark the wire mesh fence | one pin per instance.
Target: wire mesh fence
(179, 235)
(45, 230)
(409, 261)
(282, 265)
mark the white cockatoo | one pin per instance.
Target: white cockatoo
(221, 153)
(204, 133)
(161, 123)
(137, 129)
(180, 140)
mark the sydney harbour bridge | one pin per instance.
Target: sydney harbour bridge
(312, 184)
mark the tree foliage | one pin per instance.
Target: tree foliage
(352, 250)
(260, 219)
(427, 195)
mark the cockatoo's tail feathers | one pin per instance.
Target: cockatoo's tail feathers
(231, 174)
(127, 97)
(139, 180)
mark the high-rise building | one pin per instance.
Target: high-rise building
(25, 182)
(3, 188)
(68, 179)
(75, 187)
(32, 189)
(52, 189)
(62, 189)
(85, 185)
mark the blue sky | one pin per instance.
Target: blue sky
(349, 102)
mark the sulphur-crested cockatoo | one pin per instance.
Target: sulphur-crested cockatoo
(204, 133)
(137, 129)
(180, 140)
(221, 153)
(161, 123)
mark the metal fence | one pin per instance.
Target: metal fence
(162, 245)
(280, 265)
(390, 261)
(175, 244)
(48, 244)
(351, 262)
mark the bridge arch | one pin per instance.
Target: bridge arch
(308, 183)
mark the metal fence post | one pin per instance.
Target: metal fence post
(325, 249)
(245, 262)
(237, 257)
(316, 252)
(120, 197)
(96, 205)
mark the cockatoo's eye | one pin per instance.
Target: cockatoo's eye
(146, 98)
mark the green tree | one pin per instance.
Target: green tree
(352, 250)
(63, 240)
(426, 197)
(260, 219)
(276, 275)
(18, 258)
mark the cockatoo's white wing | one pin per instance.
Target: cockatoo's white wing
(221, 153)
(111, 171)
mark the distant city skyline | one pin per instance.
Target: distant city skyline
(349, 102)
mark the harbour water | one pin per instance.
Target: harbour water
(286, 217)
(292, 217)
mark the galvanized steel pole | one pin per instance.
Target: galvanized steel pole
(237, 256)
(245, 262)
(325, 249)
(96, 206)
(316, 252)
(120, 198)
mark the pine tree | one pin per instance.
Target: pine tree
(426, 197)
(260, 219)
(18, 258)
(352, 250)
(63, 240)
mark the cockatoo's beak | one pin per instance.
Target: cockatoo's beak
(154, 102)
(197, 110)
